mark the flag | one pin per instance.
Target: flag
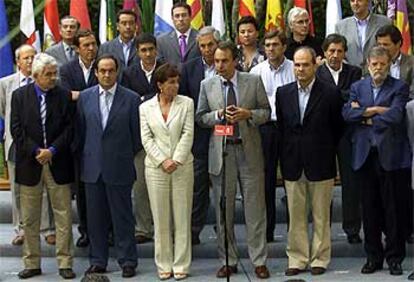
(27, 25)
(391, 5)
(307, 5)
(6, 66)
(102, 22)
(79, 10)
(196, 14)
(217, 17)
(333, 15)
(133, 5)
(274, 15)
(401, 21)
(147, 16)
(246, 8)
(51, 33)
(162, 21)
(111, 20)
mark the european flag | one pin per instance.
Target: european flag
(6, 57)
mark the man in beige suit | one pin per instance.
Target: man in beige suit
(247, 107)
(24, 58)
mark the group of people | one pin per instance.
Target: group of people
(132, 128)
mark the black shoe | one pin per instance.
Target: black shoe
(128, 271)
(270, 238)
(411, 276)
(195, 240)
(95, 269)
(83, 241)
(370, 267)
(395, 268)
(354, 239)
(27, 273)
(410, 239)
(67, 273)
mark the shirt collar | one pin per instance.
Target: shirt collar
(364, 21)
(279, 68)
(83, 65)
(232, 80)
(398, 60)
(308, 88)
(151, 70)
(111, 90)
(187, 34)
(23, 77)
(332, 70)
(129, 43)
(206, 66)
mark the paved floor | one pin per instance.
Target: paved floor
(341, 269)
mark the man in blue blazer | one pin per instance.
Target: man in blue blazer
(108, 140)
(381, 157)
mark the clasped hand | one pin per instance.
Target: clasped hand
(235, 114)
(44, 156)
(169, 165)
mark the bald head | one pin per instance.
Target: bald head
(24, 58)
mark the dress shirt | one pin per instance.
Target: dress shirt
(334, 73)
(362, 26)
(69, 52)
(105, 103)
(86, 71)
(24, 80)
(148, 74)
(395, 68)
(187, 35)
(304, 94)
(273, 78)
(209, 71)
(126, 48)
(375, 92)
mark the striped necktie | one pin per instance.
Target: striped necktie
(43, 116)
(106, 107)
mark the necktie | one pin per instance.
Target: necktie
(26, 81)
(43, 116)
(106, 107)
(69, 53)
(231, 100)
(183, 46)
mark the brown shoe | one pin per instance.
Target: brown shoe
(224, 271)
(140, 239)
(51, 239)
(262, 272)
(317, 270)
(18, 240)
(293, 271)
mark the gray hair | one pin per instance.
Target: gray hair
(209, 30)
(295, 12)
(20, 48)
(40, 61)
(379, 51)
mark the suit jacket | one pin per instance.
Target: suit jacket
(58, 52)
(192, 74)
(108, 152)
(135, 79)
(389, 129)
(410, 130)
(347, 76)
(27, 133)
(7, 85)
(71, 77)
(310, 146)
(169, 48)
(407, 72)
(251, 95)
(348, 28)
(114, 47)
(171, 139)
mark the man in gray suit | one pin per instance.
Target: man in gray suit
(64, 51)
(179, 46)
(238, 99)
(359, 31)
(123, 47)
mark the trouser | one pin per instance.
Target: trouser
(201, 195)
(15, 189)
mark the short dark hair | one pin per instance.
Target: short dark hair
(125, 12)
(247, 20)
(334, 38)
(390, 30)
(146, 38)
(276, 33)
(229, 45)
(308, 49)
(181, 5)
(164, 72)
(83, 32)
(69, 17)
(106, 56)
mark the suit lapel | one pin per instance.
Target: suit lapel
(217, 90)
(77, 70)
(404, 67)
(241, 87)
(174, 110)
(132, 52)
(119, 51)
(191, 42)
(174, 42)
(62, 52)
(343, 76)
(156, 109)
(314, 98)
(116, 105)
(294, 102)
(371, 28)
(383, 92)
(326, 74)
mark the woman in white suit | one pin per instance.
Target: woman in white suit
(167, 129)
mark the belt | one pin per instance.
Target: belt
(235, 141)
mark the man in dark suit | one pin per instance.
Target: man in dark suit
(76, 76)
(341, 75)
(123, 47)
(139, 78)
(41, 126)
(108, 139)
(193, 72)
(380, 157)
(309, 120)
(179, 46)
(64, 51)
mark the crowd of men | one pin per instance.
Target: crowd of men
(72, 127)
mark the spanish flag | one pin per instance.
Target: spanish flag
(196, 14)
(274, 15)
(246, 8)
(401, 21)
